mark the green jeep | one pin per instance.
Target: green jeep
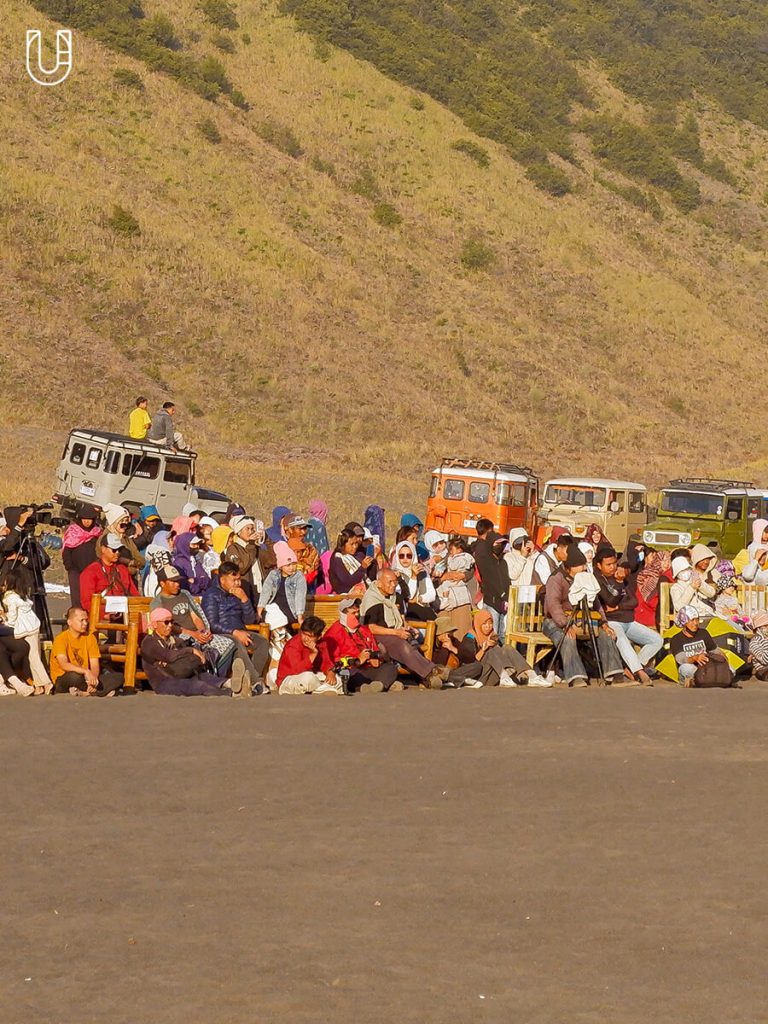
(717, 513)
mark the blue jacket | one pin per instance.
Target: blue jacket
(295, 591)
(224, 611)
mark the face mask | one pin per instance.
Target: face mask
(685, 575)
(352, 620)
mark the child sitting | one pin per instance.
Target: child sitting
(727, 603)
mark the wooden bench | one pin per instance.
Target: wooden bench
(326, 607)
(752, 598)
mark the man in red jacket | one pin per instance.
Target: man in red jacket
(355, 646)
(304, 666)
(105, 576)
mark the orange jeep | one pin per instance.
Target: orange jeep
(465, 490)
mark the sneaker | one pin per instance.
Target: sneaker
(505, 679)
(472, 684)
(619, 682)
(534, 679)
(23, 689)
(396, 687)
(6, 691)
(327, 688)
(375, 686)
(579, 681)
(553, 678)
(443, 670)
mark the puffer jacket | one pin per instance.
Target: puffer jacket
(224, 611)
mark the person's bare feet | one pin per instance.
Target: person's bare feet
(39, 691)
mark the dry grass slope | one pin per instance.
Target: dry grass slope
(313, 348)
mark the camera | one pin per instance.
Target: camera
(33, 520)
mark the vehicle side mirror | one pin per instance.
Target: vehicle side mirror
(614, 506)
(733, 516)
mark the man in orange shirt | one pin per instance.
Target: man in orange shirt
(75, 665)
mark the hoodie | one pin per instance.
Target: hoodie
(196, 578)
(275, 531)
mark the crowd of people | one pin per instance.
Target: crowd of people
(210, 583)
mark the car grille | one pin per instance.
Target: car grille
(666, 538)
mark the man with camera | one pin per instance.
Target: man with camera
(352, 647)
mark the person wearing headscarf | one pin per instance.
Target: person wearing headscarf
(78, 547)
(748, 554)
(186, 559)
(688, 587)
(118, 526)
(520, 557)
(373, 520)
(245, 550)
(158, 555)
(494, 577)
(589, 553)
(436, 544)
(414, 583)
(409, 519)
(275, 531)
(656, 567)
(317, 522)
(502, 666)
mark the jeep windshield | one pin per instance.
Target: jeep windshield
(579, 497)
(692, 503)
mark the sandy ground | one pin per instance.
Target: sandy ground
(511, 856)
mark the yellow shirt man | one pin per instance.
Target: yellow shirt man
(139, 421)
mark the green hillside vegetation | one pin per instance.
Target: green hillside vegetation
(341, 279)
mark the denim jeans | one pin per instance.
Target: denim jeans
(637, 633)
(499, 622)
(573, 666)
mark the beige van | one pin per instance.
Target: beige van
(618, 507)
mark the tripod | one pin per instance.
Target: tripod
(29, 556)
(583, 609)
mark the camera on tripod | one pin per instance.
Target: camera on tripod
(33, 520)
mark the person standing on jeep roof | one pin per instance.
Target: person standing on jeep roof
(139, 421)
(161, 429)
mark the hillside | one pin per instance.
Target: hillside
(339, 280)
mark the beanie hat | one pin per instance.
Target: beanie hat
(114, 513)
(284, 554)
(159, 615)
(575, 557)
(238, 523)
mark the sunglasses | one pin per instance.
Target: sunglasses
(406, 556)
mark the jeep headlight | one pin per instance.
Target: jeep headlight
(648, 536)
(685, 540)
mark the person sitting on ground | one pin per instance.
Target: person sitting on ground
(186, 558)
(317, 523)
(494, 578)
(457, 585)
(161, 430)
(353, 645)
(285, 586)
(150, 523)
(463, 671)
(173, 668)
(15, 670)
(106, 576)
(551, 558)
(619, 601)
(19, 614)
(687, 588)
(75, 667)
(415, 583)
(119, 525)
(520, 557)
(304, 665)
(78, 547)
(139, 421)
(349, 568)
(380, 612)
(307, 558)
(502, 666)
(758, 646)
(557, 616)
(699, 660)
(247, 552)
(747, 555)
(228, 610)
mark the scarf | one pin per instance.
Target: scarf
(657, 563)
(392, 616)
(275, 531)
(318, 510)
(75, 535)
(373, 520)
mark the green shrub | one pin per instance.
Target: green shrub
(220, 13)
(209, 130)
(549, 179)
(476, 254)
(122, 222)
(685, 194)
(417, 102)
(246, 38)
(386, 215)
(281, 137)
(237, 98)
(323, 51)
(365, 185)
(212, 70)
(224, 43)
(473, 151)
(128, 78)
(160, 29)
(323, 166)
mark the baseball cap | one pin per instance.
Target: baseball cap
(349, 603)
(295, 521)
(113, 542)
(168, 573)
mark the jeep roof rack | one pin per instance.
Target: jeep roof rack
(491, 467)
(707, 483)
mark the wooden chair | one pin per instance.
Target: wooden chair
(524, 620)
(752, 598)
